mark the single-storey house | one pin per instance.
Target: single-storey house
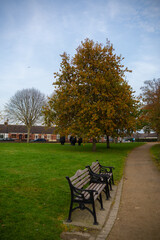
(19, 132)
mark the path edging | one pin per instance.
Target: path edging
(103, 234)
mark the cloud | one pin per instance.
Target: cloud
(144, 69)
(35, 32)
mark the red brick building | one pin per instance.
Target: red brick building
(19, 132)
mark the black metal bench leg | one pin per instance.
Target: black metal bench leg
(101, 202)
(112, 180)
(110, 184)
(107, 191)
(70, 212)
(94, 214)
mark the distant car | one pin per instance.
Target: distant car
(40, 140)
(8, 139)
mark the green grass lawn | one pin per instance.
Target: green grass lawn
(155, 150)
(34, 194)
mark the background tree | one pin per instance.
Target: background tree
(1, 116)
(150, 111)
(26, 107)
(91, 99)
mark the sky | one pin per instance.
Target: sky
(33, 34)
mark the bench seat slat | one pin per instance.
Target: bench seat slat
(94, 186)
(78, 174)
(96, 170)
(79, 178)
(82, 183)
(95, 167)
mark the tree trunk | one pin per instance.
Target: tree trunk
(158, 137)
(107, 141)
(94, 145)
(28, 134)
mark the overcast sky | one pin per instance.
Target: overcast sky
(33, 34)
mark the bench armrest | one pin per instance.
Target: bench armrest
(106, 169)
(98, 177)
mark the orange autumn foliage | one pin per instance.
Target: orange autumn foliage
(92, 99)
(150, 110)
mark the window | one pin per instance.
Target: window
(13, 135)
(36, 136)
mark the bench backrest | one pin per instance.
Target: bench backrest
(95, 167)
(81, 178)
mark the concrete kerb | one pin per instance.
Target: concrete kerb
(105, 218)
(103, 234)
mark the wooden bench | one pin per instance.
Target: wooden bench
(85, 191)
(104, 174)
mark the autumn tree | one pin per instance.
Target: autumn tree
(91, 99)
(1, 116)
(25, 107)
(150, 111)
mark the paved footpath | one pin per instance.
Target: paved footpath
(139, 212)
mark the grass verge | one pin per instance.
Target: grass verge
(155, 150)
(34, 194)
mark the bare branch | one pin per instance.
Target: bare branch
(25, 107)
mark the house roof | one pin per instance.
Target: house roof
(23, 129)
(145, 135)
